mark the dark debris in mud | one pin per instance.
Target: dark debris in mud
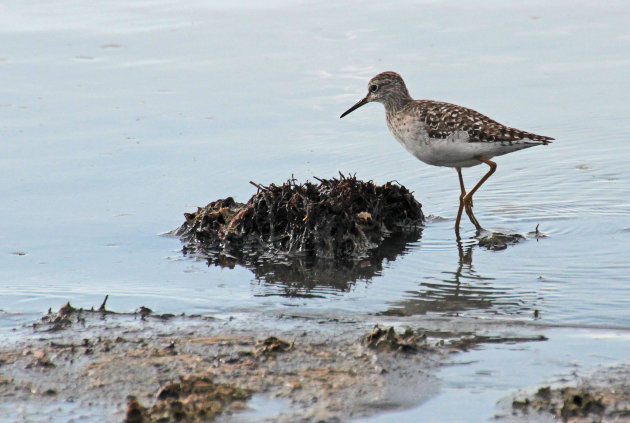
(386, 339)
(578, 404)
(68, 316)
(410, 341)
(65, 317)
(537, 234)
(338, 218)
(497, 241)
(40, 359)
(465, 343)
(192, 398)
(273, 345)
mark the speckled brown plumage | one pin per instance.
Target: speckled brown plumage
(443, 119)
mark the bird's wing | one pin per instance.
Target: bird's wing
(443, 119)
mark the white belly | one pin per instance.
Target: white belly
(455, 150)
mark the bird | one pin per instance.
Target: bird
(445, 134)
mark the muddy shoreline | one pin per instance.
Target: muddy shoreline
(102, 359)
(144, 367)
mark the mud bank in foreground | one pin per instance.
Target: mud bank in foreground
(602, 396)
(97, 365)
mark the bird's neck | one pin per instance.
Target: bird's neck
(395, 103)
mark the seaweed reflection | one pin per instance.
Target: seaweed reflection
(301, 275)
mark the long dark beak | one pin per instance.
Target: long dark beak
(355, 107)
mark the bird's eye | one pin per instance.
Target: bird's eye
(373, 88)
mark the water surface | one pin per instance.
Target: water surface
(118, 117)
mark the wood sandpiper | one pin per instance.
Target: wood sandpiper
(444, 134)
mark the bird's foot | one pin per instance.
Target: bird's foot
(468, 206)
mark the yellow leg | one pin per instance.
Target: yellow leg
(461, 200)
(467, 200)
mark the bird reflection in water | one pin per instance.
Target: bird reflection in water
(448, 292)
(457, 291)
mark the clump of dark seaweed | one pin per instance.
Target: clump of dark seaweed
(339, 218)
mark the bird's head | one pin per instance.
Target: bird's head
(387, 88)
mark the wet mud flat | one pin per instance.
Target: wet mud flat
(602, 396)
(141, 367)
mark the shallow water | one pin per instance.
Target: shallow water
(118, 117)
(477, 380)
